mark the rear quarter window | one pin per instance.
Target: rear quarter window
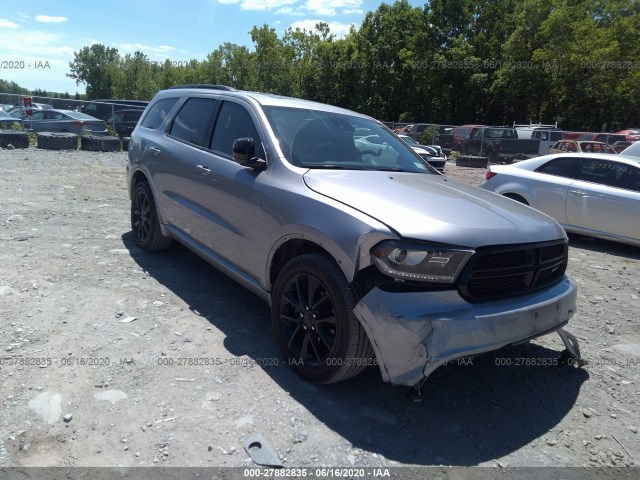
(194, 120)
(560, 167)
(158, 112)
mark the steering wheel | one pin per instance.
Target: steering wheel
(371, 152)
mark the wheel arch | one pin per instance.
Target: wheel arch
(292, 246)
(517, 197)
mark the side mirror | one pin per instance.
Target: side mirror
(244, 153)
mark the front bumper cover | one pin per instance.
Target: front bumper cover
(413, 333)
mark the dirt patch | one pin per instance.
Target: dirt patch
(115, 357)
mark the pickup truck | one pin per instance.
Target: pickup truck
(499, 144)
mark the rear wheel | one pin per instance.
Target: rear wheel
(145, 223)
(313, 321)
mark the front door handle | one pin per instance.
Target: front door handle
(204, 170)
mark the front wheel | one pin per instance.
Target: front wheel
(313, 321)
(145, 223)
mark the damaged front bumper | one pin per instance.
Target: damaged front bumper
(413, 333)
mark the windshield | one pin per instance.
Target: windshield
(316, 139)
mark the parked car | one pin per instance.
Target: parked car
(632, 150)
(365, 256)
(431, 153)
(461, 134)
(631, 134)
(608, 138)
(621, 145)
(64, 121)
(102, 108)
(124, 121)
(591, 194)
(571, 146)
(19, 112)
(499, 144)
(7, 121)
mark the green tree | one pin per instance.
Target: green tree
(93, 67)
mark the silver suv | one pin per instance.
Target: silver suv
(366, 254)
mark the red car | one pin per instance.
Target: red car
(631, 134)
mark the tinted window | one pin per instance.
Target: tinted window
(234, 122)
(158, 112)
(630, 180)
(604, 172)
(194, 120)
(132, 116)
(560, 167)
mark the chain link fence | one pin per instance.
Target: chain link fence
(12, 99)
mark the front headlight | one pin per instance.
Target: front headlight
(420, 262)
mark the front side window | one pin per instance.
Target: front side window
(610, 173)
(234, 122)
(318, 139)
(194, 120)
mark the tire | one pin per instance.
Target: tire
(145, 223)
(12, 139)
(100, 143)
(322, 341)
(57, 141)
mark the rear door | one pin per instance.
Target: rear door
(605, 198)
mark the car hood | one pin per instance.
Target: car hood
(435, 207)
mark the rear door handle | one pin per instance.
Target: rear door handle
(204, 170)
(155, 151)
(578, 193)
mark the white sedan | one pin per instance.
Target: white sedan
(596, 195)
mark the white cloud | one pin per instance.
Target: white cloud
(49, 19)
(259, 5)
(337, 29)
(4, 23)
(289, 11)
(151, 52)
(331, 7)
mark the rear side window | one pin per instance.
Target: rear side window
(560, 167)
(158, 112)
(234, 122)
(193, 122)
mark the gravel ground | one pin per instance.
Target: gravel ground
(114, 357)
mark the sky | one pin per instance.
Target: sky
(38, 38)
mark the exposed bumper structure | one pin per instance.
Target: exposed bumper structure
(413, 333)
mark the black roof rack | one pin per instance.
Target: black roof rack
(206, 85)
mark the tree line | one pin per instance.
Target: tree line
(575, 62)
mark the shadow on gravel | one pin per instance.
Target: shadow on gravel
(604, 246)
(469, 413)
